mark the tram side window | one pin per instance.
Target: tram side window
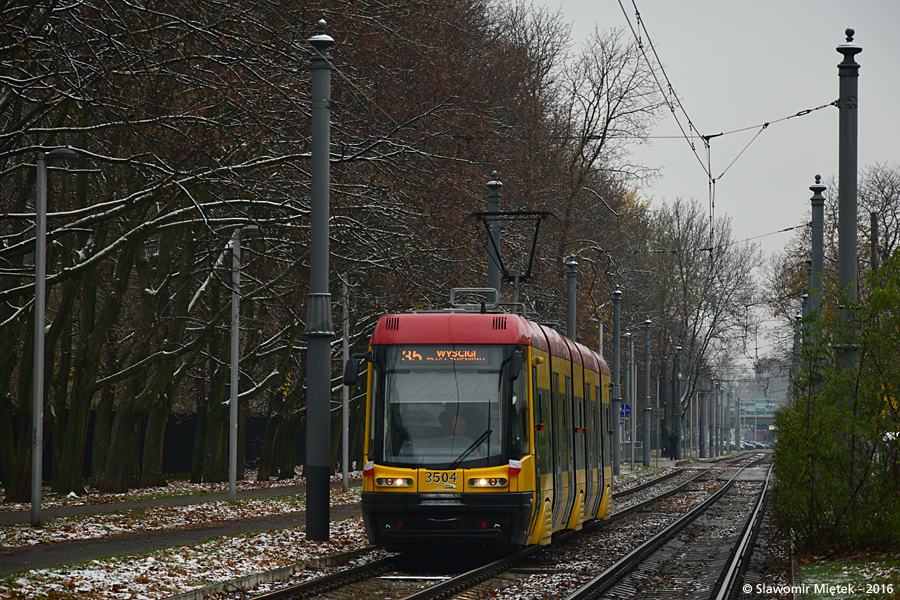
(597, 424)
(590, 430)
(373, 414)
(519, 418)
(543, 426)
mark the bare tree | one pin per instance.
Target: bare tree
(708, 282)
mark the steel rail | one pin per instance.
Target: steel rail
(460, 583)
(743, 550)
(608, 578)
(320, 585)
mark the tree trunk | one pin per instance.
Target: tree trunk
(290, 437)
(199, 451)
(124, 439)
(7, 439)
(103, 416)
(93, 333)
(215, 467)
(151, 381)
(282, 398)
(152, 473)
(17, 456)
(267, 451)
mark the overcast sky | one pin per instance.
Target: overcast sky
(737, 64)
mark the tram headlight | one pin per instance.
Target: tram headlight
(488, 482)
(394, 481)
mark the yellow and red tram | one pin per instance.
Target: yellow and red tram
(481, 427)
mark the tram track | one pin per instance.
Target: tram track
(397, 577)
(683, 559)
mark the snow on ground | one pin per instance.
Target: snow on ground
(150, 576)
(175, 570)
(66, 529)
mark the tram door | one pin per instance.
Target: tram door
(597, 441)
(556, 452)
(588, 433)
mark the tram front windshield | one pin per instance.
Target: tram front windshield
(440, 406)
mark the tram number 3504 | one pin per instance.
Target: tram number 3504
(440, 477)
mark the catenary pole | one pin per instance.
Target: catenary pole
(571, 291)
(493, 206)
(677, 401)
(701, 396)
(848, 268)
(817, 250)
(616, 391)
(647, 409)
(319, 327)
(626, 398)
(710, 419)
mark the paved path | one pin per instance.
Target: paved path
(63, 553)
(24, 516)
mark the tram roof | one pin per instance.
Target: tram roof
(481, 328)
(452, 328)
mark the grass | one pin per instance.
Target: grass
(856, 576)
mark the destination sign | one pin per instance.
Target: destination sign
(445, 355)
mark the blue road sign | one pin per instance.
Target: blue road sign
(624, 410)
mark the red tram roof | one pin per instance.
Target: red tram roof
(480, 328)
(452, 328)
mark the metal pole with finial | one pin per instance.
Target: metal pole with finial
(616, 392)
(493, 205)
(678, 414)
(571, 292)
(848, 269)
(319, 327)
(647, 409)
(701, 421)
(817, 249)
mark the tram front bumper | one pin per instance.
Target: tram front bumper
(398, 519)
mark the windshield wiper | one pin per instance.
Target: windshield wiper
(469, 450)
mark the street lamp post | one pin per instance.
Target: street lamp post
(40, 282)
(235, 353)
(345, 459)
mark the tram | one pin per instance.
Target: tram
(483, 427)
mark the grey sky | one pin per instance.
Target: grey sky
(737, 64)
